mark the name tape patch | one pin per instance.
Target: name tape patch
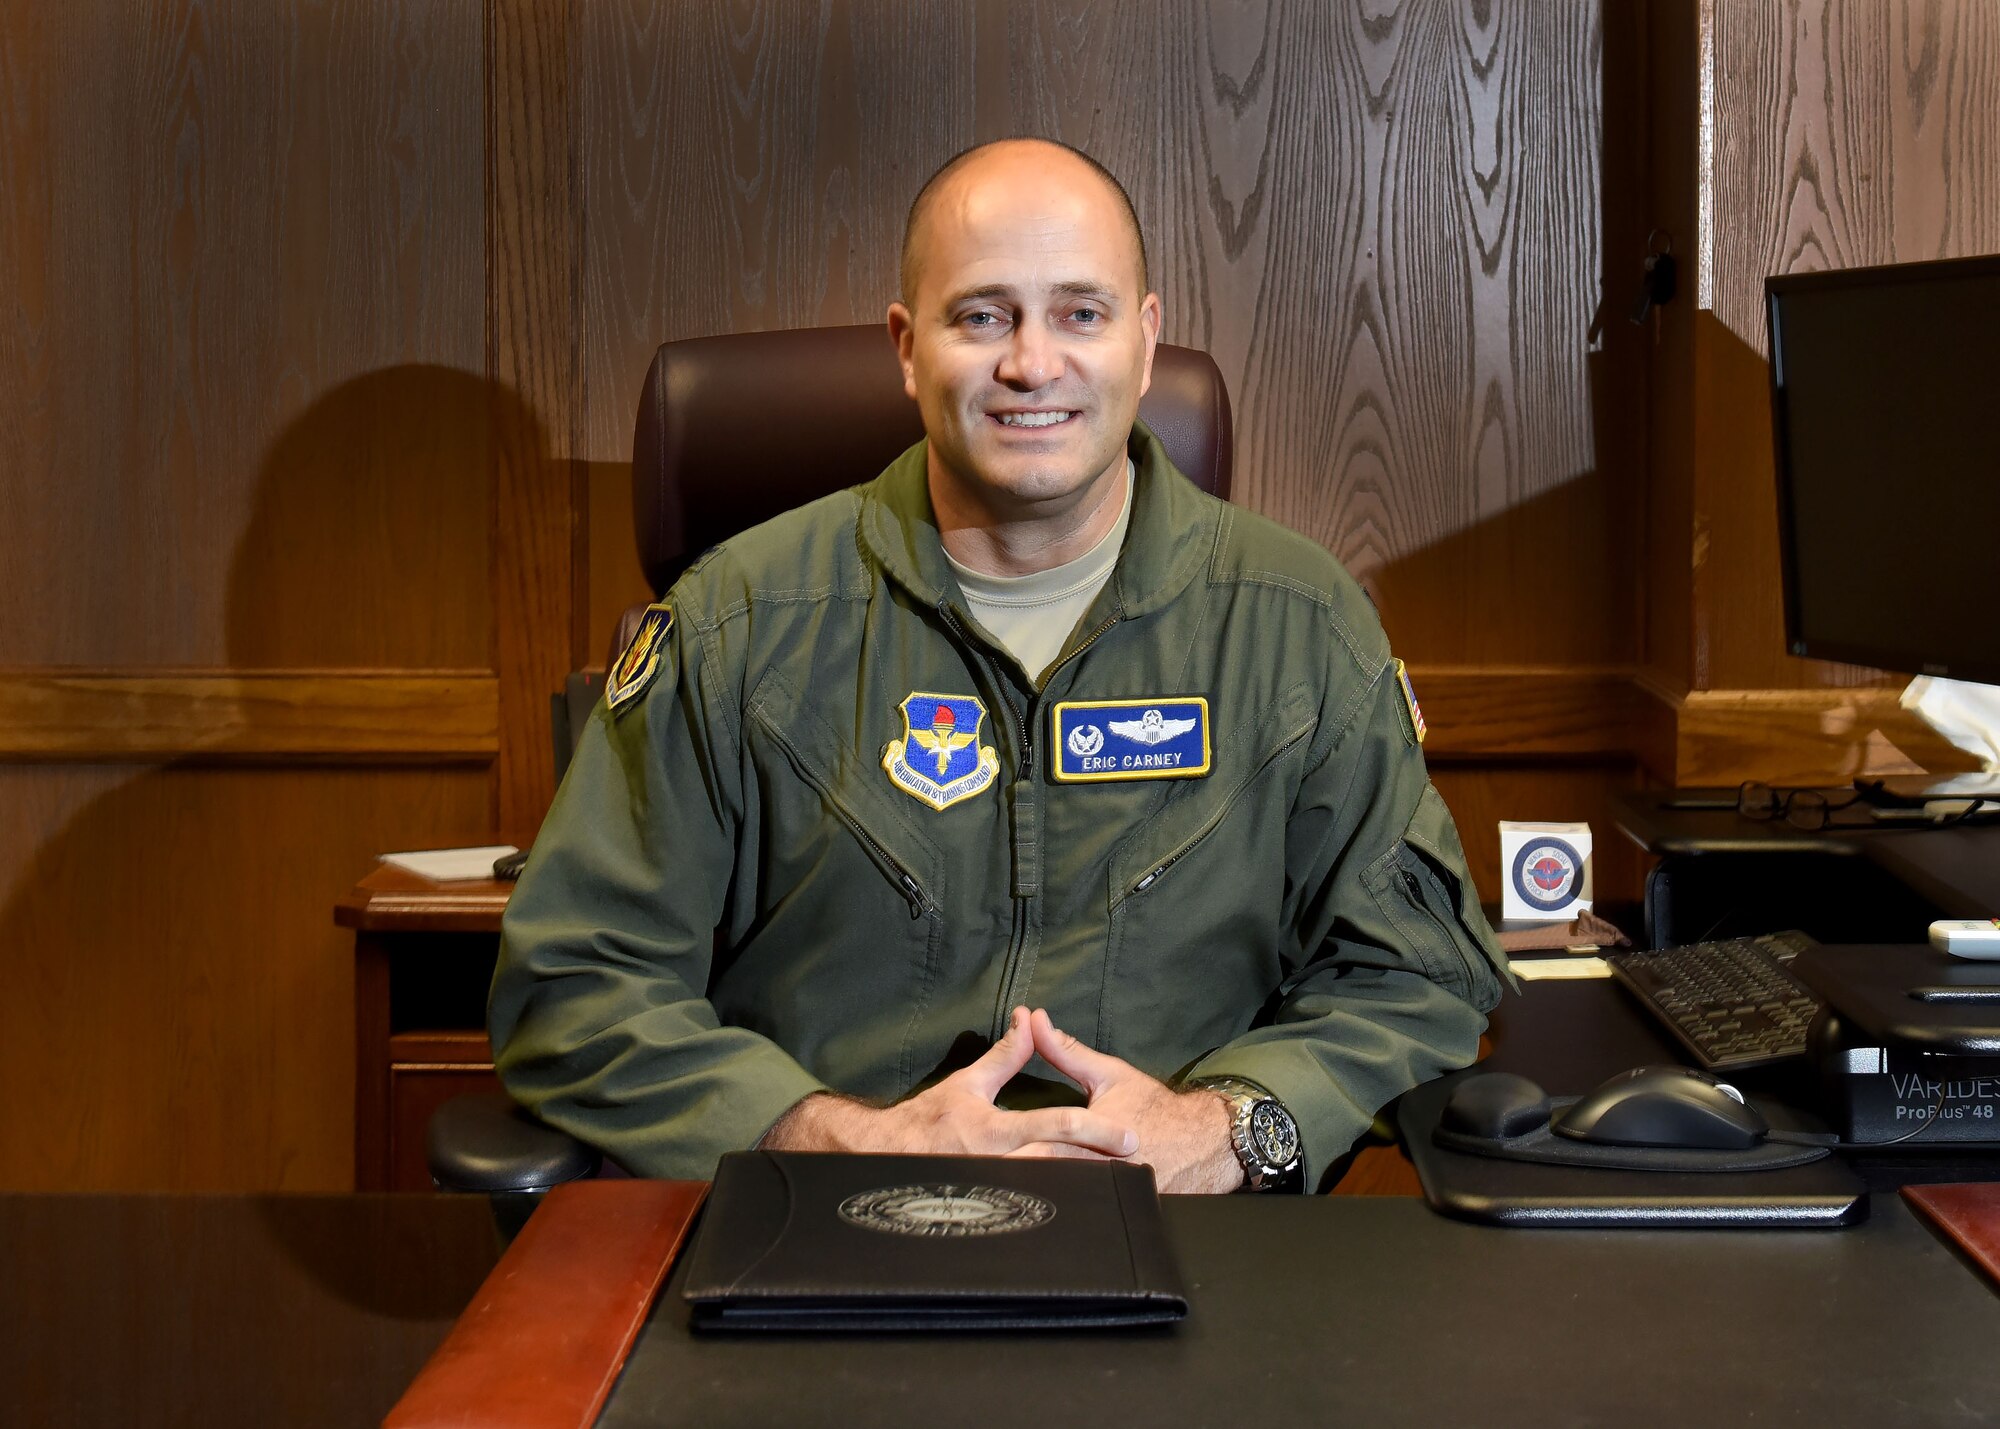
(1147, 738)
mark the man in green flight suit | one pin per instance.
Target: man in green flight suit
(1028, 721)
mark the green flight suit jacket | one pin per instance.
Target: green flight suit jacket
(731, 905)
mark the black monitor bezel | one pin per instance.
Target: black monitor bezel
(1775, 288)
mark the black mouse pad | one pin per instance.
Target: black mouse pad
(1820, 1195)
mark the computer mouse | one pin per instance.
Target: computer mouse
(1495, 1105)
(1664, 1106)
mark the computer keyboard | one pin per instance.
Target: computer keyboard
(1731, 1003)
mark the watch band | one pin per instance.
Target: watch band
(1262, 1133)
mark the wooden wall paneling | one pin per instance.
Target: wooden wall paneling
(349, 716)
(1481, 795)
(1665, 536)
(534, 316)
(1417, 395)
(1806, 737)
(1386, 231)
(1844, 135)
(179, 1012)
(1482, 712)
(246, 479)
(218, 233)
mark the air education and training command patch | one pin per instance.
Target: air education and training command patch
(636, 668)
(939, 760)
(1417, 726)
(1148, 738)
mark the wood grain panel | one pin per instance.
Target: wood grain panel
(1489, 713)
(212, 716)
(533, 312)
(1671, 164)
(179, 1013)
(1385, 227)
(1844, 134)
(1805, 737)
(241, 248)
(1480, 796)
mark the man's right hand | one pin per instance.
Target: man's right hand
(955, 1117)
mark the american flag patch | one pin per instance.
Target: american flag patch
(1410, 699)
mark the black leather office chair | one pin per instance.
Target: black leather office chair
(731, 432)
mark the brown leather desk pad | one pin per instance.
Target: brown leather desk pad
(1970, 1214)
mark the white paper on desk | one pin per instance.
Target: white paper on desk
(449, 865)
(1549, 969)
(1966, 714)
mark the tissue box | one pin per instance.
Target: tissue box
(1547, 867)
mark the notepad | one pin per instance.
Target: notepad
(1539, 969)
(448, 865)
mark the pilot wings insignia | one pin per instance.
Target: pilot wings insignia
(942, 743)
(953, 764)
(1150, 728)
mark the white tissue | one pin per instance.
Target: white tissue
(1966, 714)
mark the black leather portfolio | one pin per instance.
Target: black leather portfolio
(797, 1241)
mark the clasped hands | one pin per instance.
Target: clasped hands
(1183, 1136)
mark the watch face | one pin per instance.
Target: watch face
(1274, 1135)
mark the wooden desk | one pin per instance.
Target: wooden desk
(423, 959)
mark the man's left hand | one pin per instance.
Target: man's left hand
(1183, 1136)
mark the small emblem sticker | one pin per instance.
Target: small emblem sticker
(1548, 873)
(939, 760)
(636, 668)
(1155, 737)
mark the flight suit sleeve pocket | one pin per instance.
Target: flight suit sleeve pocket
(1423, 890)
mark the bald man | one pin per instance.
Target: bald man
(1028, 722)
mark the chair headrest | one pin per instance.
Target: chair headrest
(734, 430)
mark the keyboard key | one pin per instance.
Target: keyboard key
(1731, 1003)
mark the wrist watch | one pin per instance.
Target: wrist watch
(1265, 1137)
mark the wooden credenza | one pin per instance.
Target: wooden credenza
(423, 959)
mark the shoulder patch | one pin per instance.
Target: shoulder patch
(1417, 728)
(939, 760)
(640, 663)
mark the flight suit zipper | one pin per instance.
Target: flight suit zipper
(1013, 972)
(1214, 821)
(906, 882)
(913, 892)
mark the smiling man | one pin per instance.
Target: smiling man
(1029, 721)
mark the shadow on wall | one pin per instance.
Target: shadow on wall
(180, 1008)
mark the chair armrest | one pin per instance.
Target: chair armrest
(485, 1143)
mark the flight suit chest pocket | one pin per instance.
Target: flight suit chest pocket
(1192, 814)
(1196, 891)
(1421, 888)
(818, 782)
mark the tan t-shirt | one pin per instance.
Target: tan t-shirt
(1033, 615)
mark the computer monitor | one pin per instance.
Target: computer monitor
(1885, 398)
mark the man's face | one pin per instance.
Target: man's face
(1028, 339)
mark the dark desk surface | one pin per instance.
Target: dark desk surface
(1336, 1310)
(1373, 1310)
(222, 1310)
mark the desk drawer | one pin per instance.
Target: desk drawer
(427, 1069)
